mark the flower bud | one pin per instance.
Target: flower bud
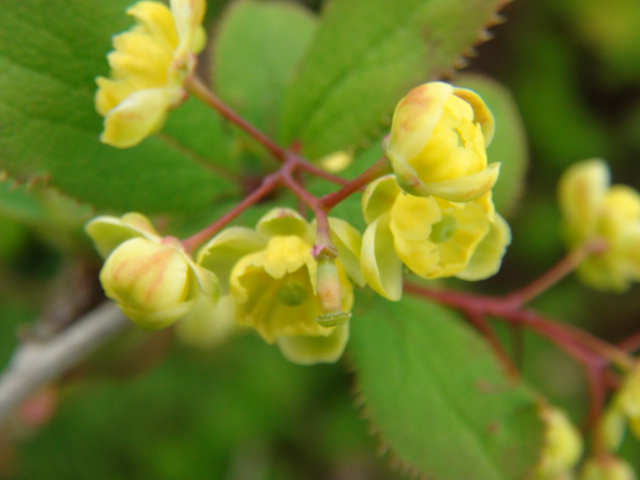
(438, 143)
(329, 293)
(153, 284)
(594, 211)
(152, 279)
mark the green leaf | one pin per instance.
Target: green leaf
(509, 145)
(366, 55)
(48, 124)
(438, 397)
(56, 218)
(256, 49)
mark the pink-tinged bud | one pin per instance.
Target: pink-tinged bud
(154, 284)
(438, 140)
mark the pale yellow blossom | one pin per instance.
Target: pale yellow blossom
(594, 211)
(149, 66)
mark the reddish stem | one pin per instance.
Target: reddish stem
(318, 172)
(378, 169)
(563, 268)
(505, 309)
(324, 243)
(200, 90)
(268, 184)
(593, 353)
(597, 389)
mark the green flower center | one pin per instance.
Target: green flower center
(444, 229)
(292, 293)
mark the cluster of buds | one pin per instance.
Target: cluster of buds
(267, 279)
(435, 214)
(292, 281)
(594, 211)
(288, 279)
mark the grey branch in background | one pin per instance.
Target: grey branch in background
(37, 363)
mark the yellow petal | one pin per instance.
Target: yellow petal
(464, 189)
(285, 221)
(412, 217)
(137, 117)
(414, 119)
(306, 350)
(581, 193)
(379, 196)
(487, 257)
(286, 254)
(208, 323)
(223, 251)
(348, 241)
(188, 16)
(157, 21)
(108, 232)
(381, 267)
(140, 60)
(482, 114)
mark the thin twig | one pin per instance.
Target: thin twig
(200, 90)
(559, 271)
(35, 363)
(378, 169)
(268, 184)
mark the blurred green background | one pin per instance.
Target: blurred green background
(152, 408)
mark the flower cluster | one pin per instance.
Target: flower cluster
(149, 66)
(435, 215)
(267, 277)
(288, 279)
(595, 211)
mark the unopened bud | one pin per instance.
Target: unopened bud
(562, 447)
(329, 293)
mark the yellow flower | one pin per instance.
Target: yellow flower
(151, 278)
(149, 66)
(433, 237)
(438, 143)
(593, 210)
(271, 274)
(562, 445)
